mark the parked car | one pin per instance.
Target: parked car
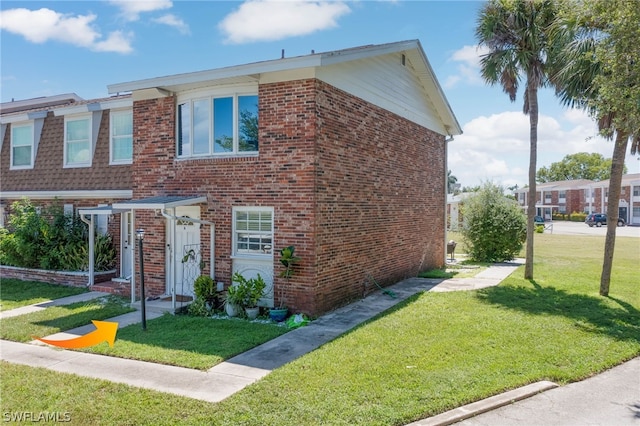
(538, 220)
(599, 219)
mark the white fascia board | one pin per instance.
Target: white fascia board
(159, 204)
(116, 103)
(257, 68)
(330, 58)
(26, 116)
(218, 74)
(80, 194)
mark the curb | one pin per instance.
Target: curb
(488, 404)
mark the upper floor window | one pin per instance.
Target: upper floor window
(218, 125)
(547, 197)
(77, 141)
(636, 191)
(22, 146)
(121, 137)
(562, 194)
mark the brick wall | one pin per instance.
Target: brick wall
(74, 279)
(380, 188)
(355, 188)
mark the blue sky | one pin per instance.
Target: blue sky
(54, 47)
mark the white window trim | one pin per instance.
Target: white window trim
(32, 144)
(227, 92)
(78, 117)
(111, 114)
(235, 234)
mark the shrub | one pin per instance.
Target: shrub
(51, 240)
(495, 228)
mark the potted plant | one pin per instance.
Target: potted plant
(288, 260)
(251, 291)
(233, 301)
(204, 289)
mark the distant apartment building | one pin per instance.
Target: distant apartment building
(584, 196)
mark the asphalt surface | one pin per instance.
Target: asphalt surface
(580, 228)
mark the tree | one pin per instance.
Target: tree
(583, 165)
(494, 226)
(451, 182)
(602, 75)
(520, 45)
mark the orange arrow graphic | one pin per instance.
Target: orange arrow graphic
(104, 331)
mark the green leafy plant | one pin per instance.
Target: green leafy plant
(494, 228)
(250, 291)
(288, 259)
(205, 291)
(47, 238)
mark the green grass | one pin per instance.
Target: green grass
(16, 293)
(433, 352)
(191, 342)
(60, 318)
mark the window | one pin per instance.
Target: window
(22, 146)
(121, 136)
(636, 191)
(562, 195)
(77, 141)
(253, 231)
(218, 125)
(547, 197)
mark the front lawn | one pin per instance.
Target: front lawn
(431, 353)
(60, 318)
(191, 342)
(16, 293)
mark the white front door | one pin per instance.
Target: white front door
(187, 253)
(127, 240)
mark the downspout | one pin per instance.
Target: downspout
(211, 245)
(91, 249)
(446, 193)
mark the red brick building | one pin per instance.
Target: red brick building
(340, 154)
(585, 196)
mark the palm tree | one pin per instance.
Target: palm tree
(451, 181)
(602, 76)
(516, 32)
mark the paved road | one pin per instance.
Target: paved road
(580, 228)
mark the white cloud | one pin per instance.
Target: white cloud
(468, 70)
(131, 9)
(116, 42)
(267, 20)
(496, 148)
(42, 25)
(173, 21)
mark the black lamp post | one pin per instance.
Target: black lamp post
(140, 237)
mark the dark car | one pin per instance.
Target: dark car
(538, 220)
(599, 219)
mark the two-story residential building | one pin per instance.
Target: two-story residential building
(341, 154)
(628, 204)
(562, 197)
(582, 195)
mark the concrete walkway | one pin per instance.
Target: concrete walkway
(231, 376)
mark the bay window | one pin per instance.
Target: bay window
(217, 125)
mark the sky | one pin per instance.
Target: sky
(54, 47)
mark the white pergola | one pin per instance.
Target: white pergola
(164, 204)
